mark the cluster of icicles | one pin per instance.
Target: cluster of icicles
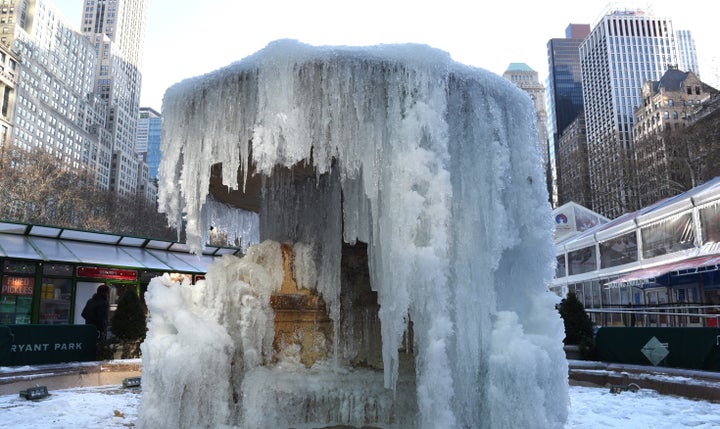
(435, 166)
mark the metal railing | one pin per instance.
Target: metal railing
(670, 315)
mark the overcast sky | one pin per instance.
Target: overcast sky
(187, 38)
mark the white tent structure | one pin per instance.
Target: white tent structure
(663, 260)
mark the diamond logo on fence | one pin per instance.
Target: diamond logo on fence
(655, 351)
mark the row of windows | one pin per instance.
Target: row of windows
(670, 235)
(523, 77)
(683, 103)
(32, 118)
(638, 45)
(638, 27)
(56, 68)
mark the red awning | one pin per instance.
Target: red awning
(641, 276)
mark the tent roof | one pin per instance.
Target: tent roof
(57, 244)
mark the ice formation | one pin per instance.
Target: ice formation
(435, 167)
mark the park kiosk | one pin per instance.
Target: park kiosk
(47, 274)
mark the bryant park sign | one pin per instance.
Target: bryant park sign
(43, 344)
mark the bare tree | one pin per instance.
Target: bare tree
(38, 188)
(701, 142)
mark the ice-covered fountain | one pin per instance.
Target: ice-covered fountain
(400, 248)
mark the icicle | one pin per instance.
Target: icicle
(432, 164)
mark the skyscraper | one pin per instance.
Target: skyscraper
(147, 144)
(9, 66)
(526, 79)
(624, 49)
(117, 30)
(147, 148)
(564, 95)
(572, 160)
(687, 52)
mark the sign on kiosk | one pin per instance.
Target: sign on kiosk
(107, 273)
(18, 285)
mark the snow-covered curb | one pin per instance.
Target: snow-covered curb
(68, 375)
(687, 383)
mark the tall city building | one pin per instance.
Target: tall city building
(564, 99)
(147, 143)
(625, 49)
(147, 148)
(527, 79)
(55, 107)
(574, 184)
(116, 29)
(9, 67)
(687, 52)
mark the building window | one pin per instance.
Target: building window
(582, 261)
(668, 236)
(55, 300)
(710, 221)
(18, 289)
(618, 251)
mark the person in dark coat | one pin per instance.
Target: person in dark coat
(96, 311)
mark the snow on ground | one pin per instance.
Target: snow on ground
(591, 408)
(81, 408)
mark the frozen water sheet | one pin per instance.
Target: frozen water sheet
(435, 166)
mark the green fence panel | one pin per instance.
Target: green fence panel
(44, 344)
(691, 348)
(5, 338)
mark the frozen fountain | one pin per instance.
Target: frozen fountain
(398, 241)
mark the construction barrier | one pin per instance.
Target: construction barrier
(690, 348)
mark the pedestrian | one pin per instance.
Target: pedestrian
(96, 311)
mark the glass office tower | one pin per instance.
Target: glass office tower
(687, 52)
(147, 142)
(564, 94)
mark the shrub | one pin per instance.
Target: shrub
(578, 326)
(129, 322)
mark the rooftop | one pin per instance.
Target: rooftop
(519, 67)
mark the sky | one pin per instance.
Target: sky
(187, 38)
(591, 408)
